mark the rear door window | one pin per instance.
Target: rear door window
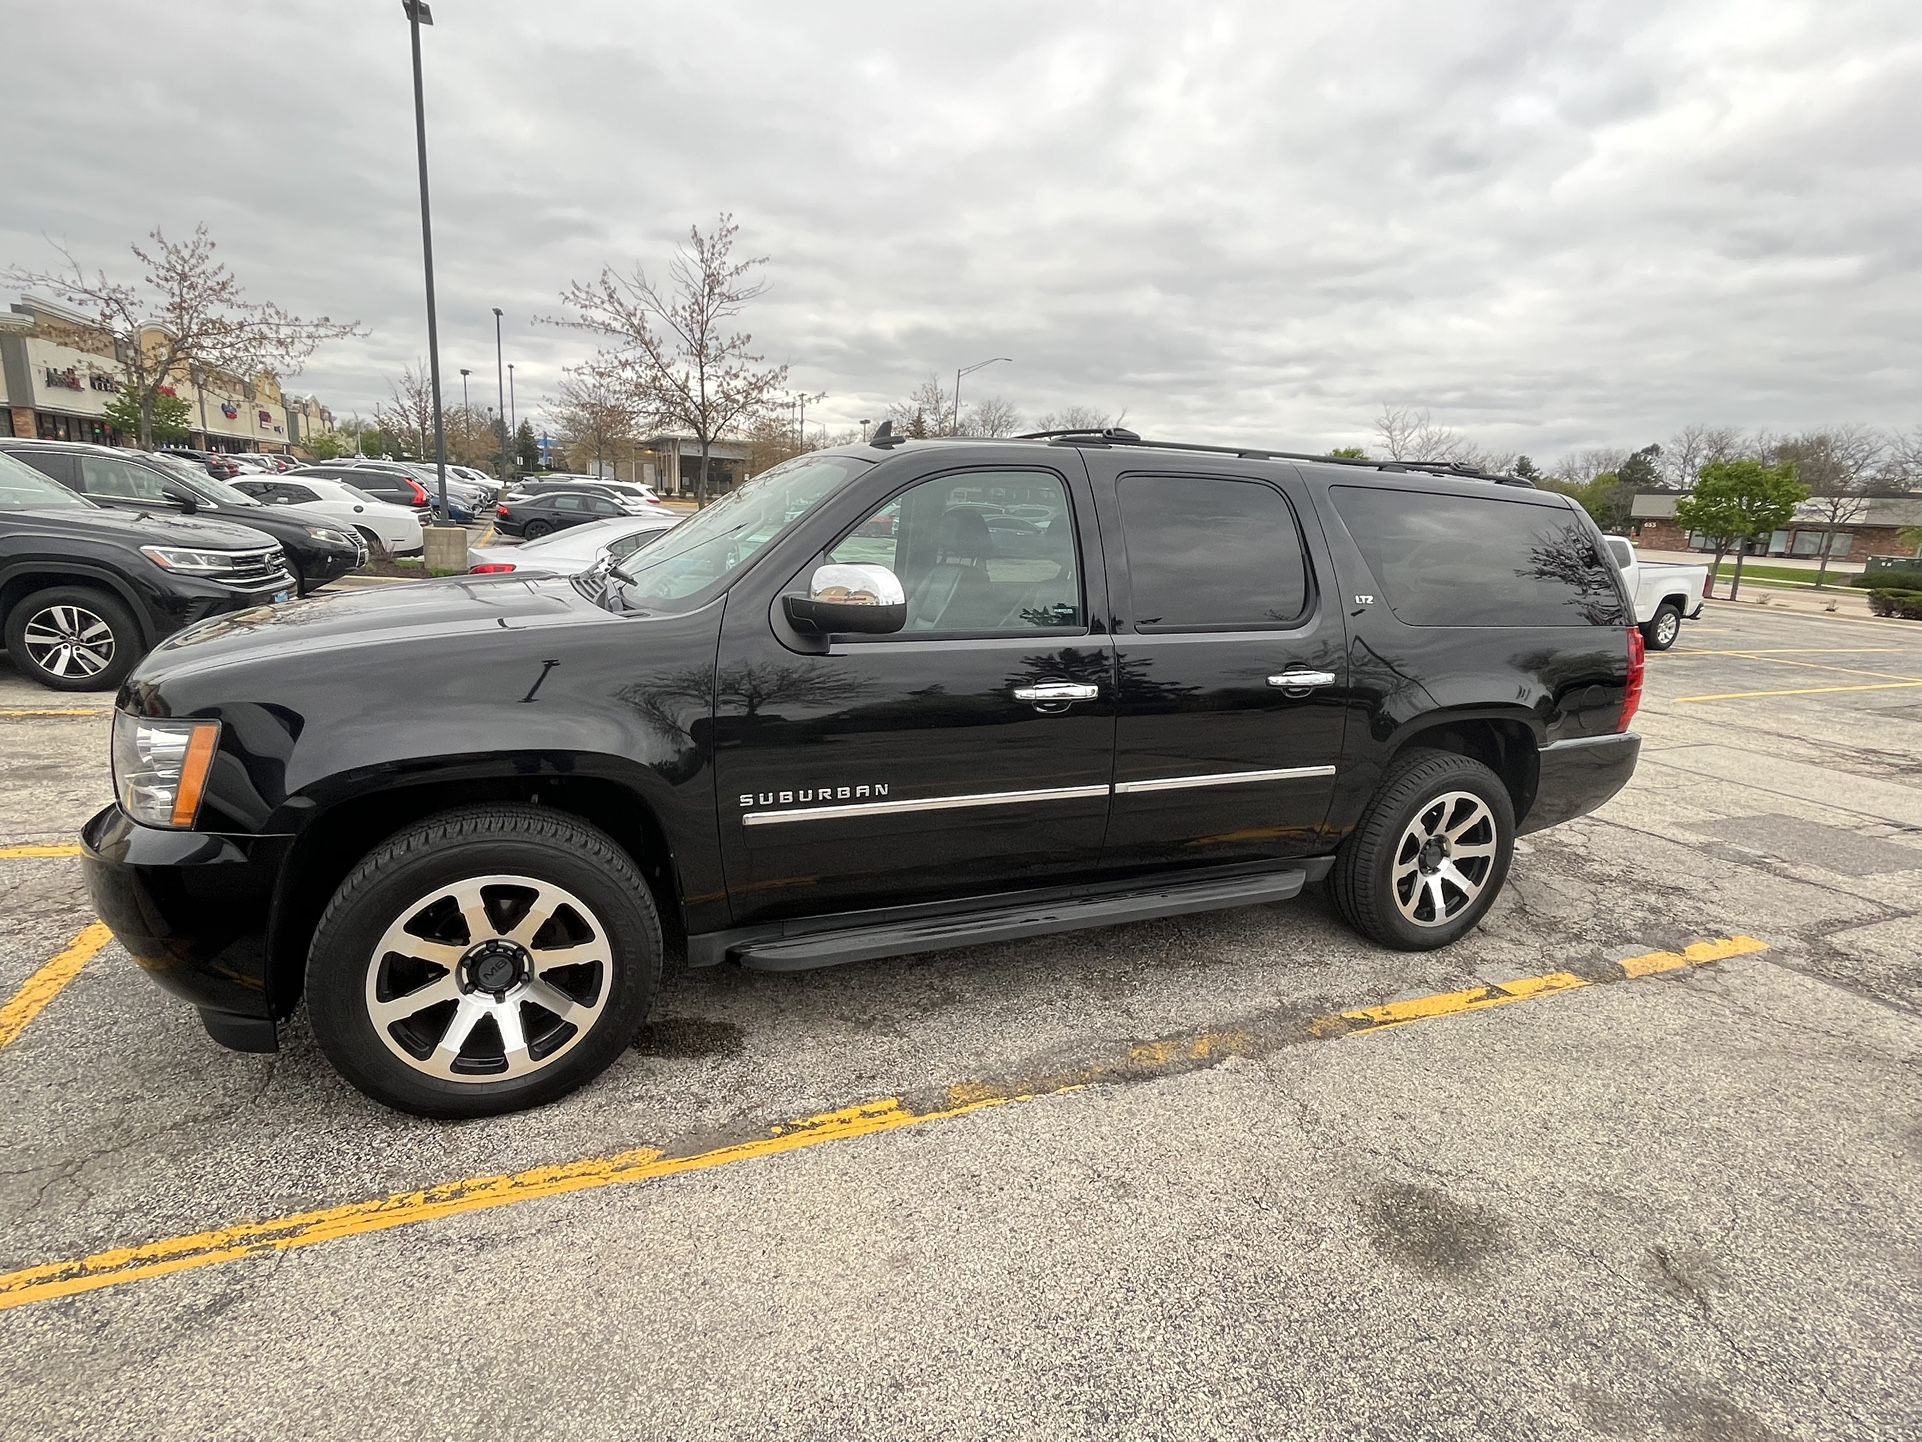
(1210, 554)
(1448, 560)
(61, 465)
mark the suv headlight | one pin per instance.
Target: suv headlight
(160, 767)
(335, 538)
(192, 563)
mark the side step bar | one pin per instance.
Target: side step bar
(1005, 923)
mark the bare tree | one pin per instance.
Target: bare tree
(991, 416)
(927, 411)
(675, 349)
(1076, 418)
(184, 317)
(1842, 467)
(593, 419)
(1695, 446)
(1904, 468)
(1579, 468)
(409, 416)
(1411, 435)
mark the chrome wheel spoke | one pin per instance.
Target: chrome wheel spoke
(1452, 874)
(466, 1017)
(548, 958)
(539, 912)
(413, 1003)
(1472, 851)
(507, 1016)
(550, 997)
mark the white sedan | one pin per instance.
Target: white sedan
(384, 526)
(569, 552)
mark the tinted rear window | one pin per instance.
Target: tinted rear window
(1210, 554)
(1442, 560)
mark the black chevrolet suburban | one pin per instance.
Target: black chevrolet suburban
(879, 700)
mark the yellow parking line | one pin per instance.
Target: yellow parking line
(21, 853)
(1793, 651)
(39, 713)
(644, 1164)
(48, 982)
(1802, 691)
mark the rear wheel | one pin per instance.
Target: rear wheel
(534, 530)
(73, 638)
(1430, 854)
(1660, 631)
(376, 550)
(482, 961)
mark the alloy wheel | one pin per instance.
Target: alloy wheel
(1666, 627)
(489, 978)
(69, 641)
(1444, 857)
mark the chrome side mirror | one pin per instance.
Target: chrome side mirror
(862, 599)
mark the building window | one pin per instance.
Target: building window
(53, 427)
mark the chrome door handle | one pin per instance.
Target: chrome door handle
(1057, 693)
(1302, 680)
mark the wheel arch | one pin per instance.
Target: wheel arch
(1506, 743)
(22, 579)
(335, 839)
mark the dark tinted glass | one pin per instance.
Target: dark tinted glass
(1444, 560)
(1218, 554)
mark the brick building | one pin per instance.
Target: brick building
(1874, 532)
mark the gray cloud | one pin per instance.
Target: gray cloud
(1557, 226)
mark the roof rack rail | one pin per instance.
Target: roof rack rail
(1120, 436)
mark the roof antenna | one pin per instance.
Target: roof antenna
(884, 436)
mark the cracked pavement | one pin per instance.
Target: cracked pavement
(1687, 1206)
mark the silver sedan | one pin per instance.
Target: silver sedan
(569, 552)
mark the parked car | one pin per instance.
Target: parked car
(220, 467)
(571, 551)
(148, 482)
(1236, 672)
(395, 490)
(85, 592)
(534, 485)
(394, 530)
(534, 516)
(1662, 592)
(464, 499)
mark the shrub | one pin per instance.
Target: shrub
(1896, 578)
(1906, 604)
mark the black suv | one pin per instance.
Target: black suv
(85, 592)
(829, 718)
(138, 481)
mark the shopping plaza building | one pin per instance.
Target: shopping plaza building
(59, 375)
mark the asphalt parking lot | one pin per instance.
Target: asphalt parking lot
(1642, 1158)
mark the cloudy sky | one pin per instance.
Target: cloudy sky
(1556, 225)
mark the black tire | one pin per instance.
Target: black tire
(549, 848)
(376, 551)
(59, 609)
(1363, 883)
(534, 530)
(1664, 628)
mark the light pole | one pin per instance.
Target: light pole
(419, 13)
(501, 383)
(513, 412)
(968, 371)
(466, 413)
(864, 431)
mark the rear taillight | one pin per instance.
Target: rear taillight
(490, 568)
(500, 511)
(420, 493)
(1637, 666)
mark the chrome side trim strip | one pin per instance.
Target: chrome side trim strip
(1221, 778)
(930, 803)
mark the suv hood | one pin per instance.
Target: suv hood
(440, 611)
(151, 528)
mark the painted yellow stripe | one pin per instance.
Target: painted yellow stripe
(1819, 666)
(21, 853)
(1801, 691)
(48, 982)
(646, 1164)
(1760, 651)
(17, 713)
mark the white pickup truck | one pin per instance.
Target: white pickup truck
(1663, 592)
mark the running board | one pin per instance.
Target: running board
(1006, 923)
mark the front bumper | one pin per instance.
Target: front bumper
(192, 910)
(1579, 775)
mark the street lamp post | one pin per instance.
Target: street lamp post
(968, 371)
(864, 431)
(501, 382)
(419, 13)
(513, 412)
(466, 413)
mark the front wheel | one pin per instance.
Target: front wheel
(482, 961)
(376, 548)
(1661, 630)
(1430, 854)
(73, 638)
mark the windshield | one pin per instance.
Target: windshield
(22, 488)
(712, 544)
